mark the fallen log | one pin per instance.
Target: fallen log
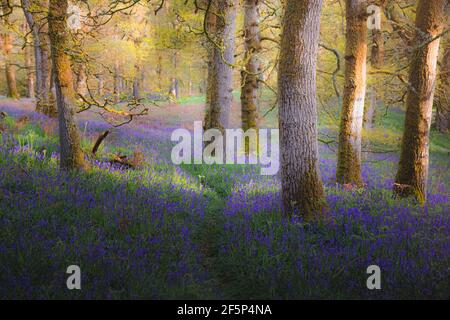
(99, 141)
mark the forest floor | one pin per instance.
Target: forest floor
(198, 231)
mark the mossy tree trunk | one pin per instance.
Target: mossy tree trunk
(302, 189)
(72, 156)
(443, 95)
(349, 153)
(412, 174)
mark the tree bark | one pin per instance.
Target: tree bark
(349, 153)
(302, 189)
(412, 174)
(442, 98)
(28, 57)
(35, 13)
(7, 40)
(174, 83)
(72, 156)
(376, 60)
(136, 85)
(159, 72)
(220, 73)
(250, 76)
(100, 85)
(81, 87)
(116, 89)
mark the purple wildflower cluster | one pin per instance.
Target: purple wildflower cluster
(208, 231)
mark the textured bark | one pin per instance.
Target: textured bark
(412, 174)
(211, 21)
(302, 189)
(116, 89)
(220, 73)
(7, 41)
(100, 85)
(136, 82)
(377, 53)
(35, 12)
(81, 79)
(174, 90)
(250, 77)
(159, 72)
(28, 57)
(443, 96)
(377, 49)
(349, 153)
(72, 156)
(137, 78)
(37, 49)
(369, 111)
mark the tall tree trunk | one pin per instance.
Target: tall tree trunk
(211, 24)
(137, 70)
(376, 61)
(28, 57)
(369, 111)
(81, 87)
(37, 50)
(35, 13)
(116, 85)
(302, 189)
(159, 72)
(174, 83)
(72, 156)
(250, 77)
(136, 93)
(443, 97)
(100, 85)
(412, 174)
(377, 49)
(7, 40)
(220, 75)
(349, 153)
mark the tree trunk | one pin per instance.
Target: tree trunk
(377, 49)
(220, 76)
(369, 112)
(159, 72)
(376, 61)
(302, 189)
(81, 87)
(116, 88)
(174, 88)
(250, 77)
(442, 98)
(136, 93)
(28, 57)
(37, 50)
(412, 174)
(100, 85)
(7, 40)
(35, 13)
(72, 156)
(349, 153)
(174, 83)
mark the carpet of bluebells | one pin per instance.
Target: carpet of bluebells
(192, 232)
